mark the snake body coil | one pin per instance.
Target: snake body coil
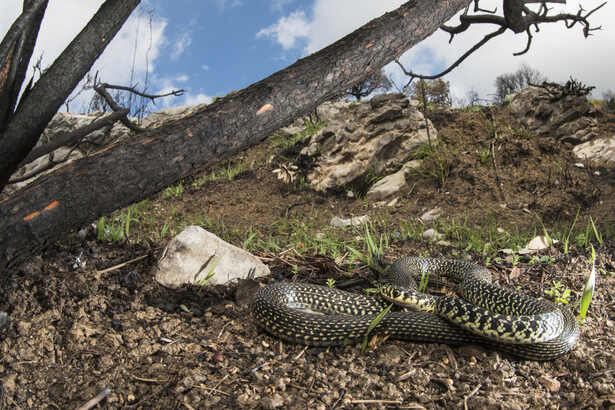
(506, 320)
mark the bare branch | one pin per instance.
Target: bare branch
(133, 90)
(102, 90)
(76, 135)
(518, 18)
(20, 134)
(42, 168)
(456, 63)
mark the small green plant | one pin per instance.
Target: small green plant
(485, 156)
(588, 292)
(515, 259)
(375, 250)
(559, 292)
(596, 232)
(435, 164)
(424, 281)
(211, 272)
(567, 235)
(535, 260)
(331, 282)
(523, 133)
(173, 191)
(184, 308)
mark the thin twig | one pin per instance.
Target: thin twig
(472, 393)
(94, 401)
(141, 379)
(121, 265)
(157, 392)
(375, 401)
(495, 168)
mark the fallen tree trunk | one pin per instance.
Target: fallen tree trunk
(119, 175)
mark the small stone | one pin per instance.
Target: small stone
(338, 222)
(431, 215)
(551, 384)
(432, 234)
(218, 358)
(579, 165)
(116, 324)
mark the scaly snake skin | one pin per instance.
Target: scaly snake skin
(496, 317)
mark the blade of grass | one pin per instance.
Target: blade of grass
(588, 292)
(373, 325)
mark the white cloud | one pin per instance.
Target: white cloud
(333, 19)
(557, 52)
(197, 99)
(289, 31)
(181, 44)
(278, 5)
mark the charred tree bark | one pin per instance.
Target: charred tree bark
(112, 178)
(40, 103)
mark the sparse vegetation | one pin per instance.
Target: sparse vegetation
(512, 83)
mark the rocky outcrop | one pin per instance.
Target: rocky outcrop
(566, 117)
(324, 112)
(376, 137)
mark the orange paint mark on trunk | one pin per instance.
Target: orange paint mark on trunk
(31, 216)
(264, 108)
(34, 214)
(52, 205)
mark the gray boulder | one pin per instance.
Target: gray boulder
(565, 117)
(198, 257)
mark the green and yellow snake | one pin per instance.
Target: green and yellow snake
(496, 317)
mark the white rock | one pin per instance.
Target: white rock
(536, 244)
(366, 138)
(393, 202)
(431, 215)
(432, 234)
(355, 221)
(195, 254)
(391, 184)
(602, 149)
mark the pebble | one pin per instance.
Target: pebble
(431, 215)
(338, 222)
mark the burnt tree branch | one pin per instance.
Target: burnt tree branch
(102, 90)
(516, 17)
(37, 107)
(72, 137)
(15, 53)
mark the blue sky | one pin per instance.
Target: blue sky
(211, 47)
